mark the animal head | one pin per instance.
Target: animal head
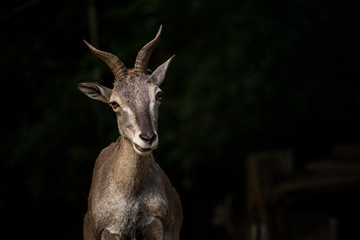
(135, 96)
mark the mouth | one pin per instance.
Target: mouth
(141, 149)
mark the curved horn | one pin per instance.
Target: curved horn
(143, 57)
(115, 64)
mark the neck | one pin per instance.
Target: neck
(130, 169)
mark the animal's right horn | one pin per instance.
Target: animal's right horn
(115, 64)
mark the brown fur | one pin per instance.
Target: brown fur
(130, 195)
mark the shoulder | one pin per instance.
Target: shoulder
(105, 155)
(109, 149)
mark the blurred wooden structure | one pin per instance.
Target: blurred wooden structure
(288, 203)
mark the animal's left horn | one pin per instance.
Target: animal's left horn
(143, 57)
(115, 64)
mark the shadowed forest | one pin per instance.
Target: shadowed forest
(259, 125)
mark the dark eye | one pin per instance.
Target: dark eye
(114, 104)
(159, 96)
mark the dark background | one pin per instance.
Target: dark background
(248, 76)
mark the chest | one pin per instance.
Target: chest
(127, 216)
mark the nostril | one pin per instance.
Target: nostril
(153, 138)
(149, 138)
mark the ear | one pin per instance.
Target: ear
(95, 91)
(158, 75)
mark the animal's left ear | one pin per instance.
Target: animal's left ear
(158, 75)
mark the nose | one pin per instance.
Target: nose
(148, 137)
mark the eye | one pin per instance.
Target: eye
(114, 104)
(159, 96)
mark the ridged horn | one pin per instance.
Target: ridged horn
(143, 57)
(115, 64)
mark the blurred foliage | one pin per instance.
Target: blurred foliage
(248, 75)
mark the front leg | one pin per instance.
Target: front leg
(106, 235)
(89, 229)
(154, 231)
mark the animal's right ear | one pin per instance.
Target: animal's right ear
(95, 91)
